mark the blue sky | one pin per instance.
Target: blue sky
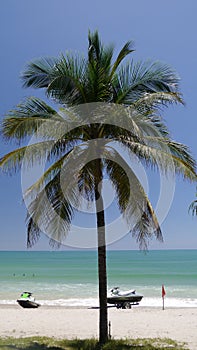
(164, 31)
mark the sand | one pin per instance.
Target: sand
(179, 324)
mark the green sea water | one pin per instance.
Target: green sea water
(70, 277)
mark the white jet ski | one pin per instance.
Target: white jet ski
(123, 299)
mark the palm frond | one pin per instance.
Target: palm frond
(184, 163)
(132, 200)
(26, 119)
(50, 212)
(146, 227)
(135, 79)
(126, 50)
(51, 172)
(86, 181)
(48, 175)
(94, 47)
(55, 202)
(151, 101)
(33, 231)
(193, 208)
(163, 154)
(98, 84)
(98, 54)
(28, 156)
(37, 73)
(67, 80)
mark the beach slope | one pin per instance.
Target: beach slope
(179, 324)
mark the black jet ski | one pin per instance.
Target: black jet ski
(27, 301)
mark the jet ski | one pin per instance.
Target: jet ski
(27, 301)
(123, 299)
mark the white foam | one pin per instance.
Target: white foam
(169, 302)
(93, 302)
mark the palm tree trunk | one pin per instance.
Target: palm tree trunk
(102, 271)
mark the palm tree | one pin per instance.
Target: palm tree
(193, 207)
(102, 102)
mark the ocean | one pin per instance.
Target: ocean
(69, 278)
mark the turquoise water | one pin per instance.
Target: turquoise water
(70, 277)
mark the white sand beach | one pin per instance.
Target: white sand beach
(59, 322)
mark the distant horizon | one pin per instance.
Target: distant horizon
(95, 250)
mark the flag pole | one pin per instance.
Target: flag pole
(163, 293)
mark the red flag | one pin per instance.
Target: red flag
(163, 292)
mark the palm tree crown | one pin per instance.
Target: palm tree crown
(73, 80)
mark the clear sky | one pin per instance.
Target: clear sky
(161, 30)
